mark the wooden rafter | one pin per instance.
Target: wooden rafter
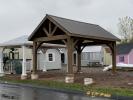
(44, 29)
(50, 32)
(55, 28)
(49, 27)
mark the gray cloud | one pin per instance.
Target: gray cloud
(18, 17)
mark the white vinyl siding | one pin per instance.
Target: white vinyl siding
(85, 56)
(90, 56)
(94, 56)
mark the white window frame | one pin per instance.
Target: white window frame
(53, 55)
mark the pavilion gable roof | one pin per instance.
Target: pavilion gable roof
(78, 29)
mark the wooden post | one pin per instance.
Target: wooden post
(70, 55)
(79, 58)
(113, 51)
(70, 76)
(34, 57)
(34, 70)
(114, 58)
(79, 51)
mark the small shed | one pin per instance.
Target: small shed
(92, 55)
(125, 53)
(75, 35)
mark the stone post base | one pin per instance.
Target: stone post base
(69, 78)
(23, 77)
(2, 74)
(34, 76)
(88, 81)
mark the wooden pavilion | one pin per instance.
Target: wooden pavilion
(75, 35)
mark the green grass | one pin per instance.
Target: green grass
(74, 86)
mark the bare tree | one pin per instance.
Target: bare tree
(126, 29)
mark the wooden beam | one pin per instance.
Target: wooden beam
(49, 27)
(93, 43)
(51, 38)
(91, 39)
(44, 29)
(75, 42)
(39, 44)
(79, 42)
(55, 28)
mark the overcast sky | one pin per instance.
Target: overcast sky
(20, 17)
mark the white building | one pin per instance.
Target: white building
(20, 49)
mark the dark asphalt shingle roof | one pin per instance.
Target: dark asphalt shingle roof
(76, 28)
(82, 28)
(124, 48)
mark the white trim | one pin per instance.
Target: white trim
(24, 62)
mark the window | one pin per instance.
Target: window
(121, 58)
(50, 57)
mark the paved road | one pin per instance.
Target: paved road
(12, 92)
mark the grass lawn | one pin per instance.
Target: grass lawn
(74, 86)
